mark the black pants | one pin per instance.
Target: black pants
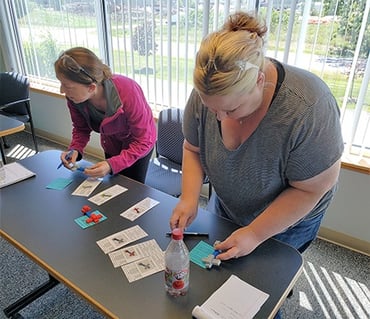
(137, 171)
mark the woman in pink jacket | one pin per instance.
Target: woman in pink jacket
(112, 105)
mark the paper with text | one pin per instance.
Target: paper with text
(107, 194)
(144, 267)
(130, 254)
(139, 209)
(235, 299)
(86, 187)
(14, 173)
(121, 239)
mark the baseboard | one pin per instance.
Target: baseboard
(344, 240)
(89, 150)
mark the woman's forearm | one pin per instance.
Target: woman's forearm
(192, 176)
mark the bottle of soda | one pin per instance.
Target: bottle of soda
(177, 265)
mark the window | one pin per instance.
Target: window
(155, 43)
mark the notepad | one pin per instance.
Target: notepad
(14, 173)
(235, 299)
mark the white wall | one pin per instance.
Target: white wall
(347, 221)
(52, 121)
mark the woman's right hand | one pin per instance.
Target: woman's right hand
(183, 214)
(69, 158)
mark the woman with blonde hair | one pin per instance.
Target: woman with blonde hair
(110, 104)
(266, 134)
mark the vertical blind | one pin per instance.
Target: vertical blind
(155, 42)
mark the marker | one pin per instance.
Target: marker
(190, 233)
(68, 157)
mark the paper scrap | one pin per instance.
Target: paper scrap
(86, 187)
(107, 194)
(130, 254)
(139, 209)
(144, 267)
(121, 238)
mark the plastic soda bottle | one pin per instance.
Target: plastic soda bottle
(177, 265)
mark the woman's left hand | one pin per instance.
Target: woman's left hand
(240, 243)
(98, 170)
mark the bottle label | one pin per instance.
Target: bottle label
(177, 279)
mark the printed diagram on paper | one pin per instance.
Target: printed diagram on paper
(121, 239)
(86, 187)
(139, 261)
(139, 209)
(129, 254)
(144, 267)
(107, 194)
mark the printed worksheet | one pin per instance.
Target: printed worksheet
(139, 209)
(121, 239)
(107, 194)
(229, 301)
(130, 254)
(144, 267)
(87, 187)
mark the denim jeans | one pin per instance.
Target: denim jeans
(301, 235)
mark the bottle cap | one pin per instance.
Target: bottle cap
(177, 234)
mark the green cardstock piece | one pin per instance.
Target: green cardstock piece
(201, 250)
(59, 183)
(81, 221)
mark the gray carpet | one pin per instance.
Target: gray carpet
(334, 283)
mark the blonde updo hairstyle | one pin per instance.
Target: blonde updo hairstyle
(93, 69)
(230, 59)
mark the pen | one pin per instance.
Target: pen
(68, 157)
(190, 233)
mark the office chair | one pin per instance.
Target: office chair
(15, 100)
(164, 170)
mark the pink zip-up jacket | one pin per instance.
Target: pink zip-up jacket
(126, 135)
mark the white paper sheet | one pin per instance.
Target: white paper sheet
(14, 173)
(121, 239)
(107, 194)
(235, 299)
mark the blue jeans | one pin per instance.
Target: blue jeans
(301, 235)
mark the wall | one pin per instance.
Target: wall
(347, 221)
(52, 121)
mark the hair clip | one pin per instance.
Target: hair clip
(245, 65)
(212, 63)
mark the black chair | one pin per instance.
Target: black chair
(15, 100)
(164, 170)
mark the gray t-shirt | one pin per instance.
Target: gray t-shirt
(299, 137)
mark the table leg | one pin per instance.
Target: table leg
(12, 310)
(2, 152)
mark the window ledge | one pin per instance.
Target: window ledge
(46, 87)
(356, 163)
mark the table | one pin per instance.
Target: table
(46, 232)
(8, 126)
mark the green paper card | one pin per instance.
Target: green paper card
(201, 250)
